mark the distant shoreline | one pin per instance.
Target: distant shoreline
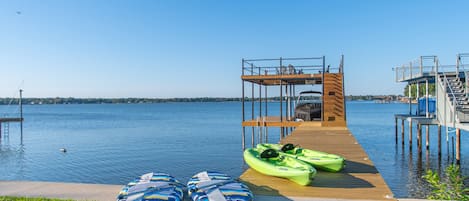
(70, 100)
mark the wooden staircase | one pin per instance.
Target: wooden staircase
(333, 100)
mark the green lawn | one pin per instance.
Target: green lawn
(8, 198)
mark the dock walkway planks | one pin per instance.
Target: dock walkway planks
(359, 180)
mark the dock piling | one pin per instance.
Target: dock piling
(439, 140)
(402, 133)
(21, 115)
(410, 133)
(243, 136)
(427, 138)
(395, 128)
(458, 146)
(419, 138)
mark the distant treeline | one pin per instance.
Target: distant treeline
(58, 100)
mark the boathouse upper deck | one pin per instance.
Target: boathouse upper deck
(426, 68)
(281, 71)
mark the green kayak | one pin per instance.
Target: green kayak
(320, 160)
(269, 162)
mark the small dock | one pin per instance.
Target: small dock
(5, 121)
(450, 108)
(359, 180)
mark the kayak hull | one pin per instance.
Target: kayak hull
(320, 160)
(283, 166)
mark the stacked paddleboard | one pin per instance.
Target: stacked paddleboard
(217, 187)
(204, 186)
(154, 187)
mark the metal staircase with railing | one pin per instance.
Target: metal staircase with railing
(452, 93)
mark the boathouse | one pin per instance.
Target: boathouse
(451, 108)
(358, 180)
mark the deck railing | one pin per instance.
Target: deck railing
(427, 66)
(424, 65)
(287, 66)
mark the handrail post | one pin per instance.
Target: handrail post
(421, 65)
(403, 72)
(457, 64)
(410, 67)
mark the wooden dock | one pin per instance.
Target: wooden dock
(359, 180)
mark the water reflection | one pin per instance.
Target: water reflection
(14, 157)
(418, 163)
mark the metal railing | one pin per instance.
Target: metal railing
(424, 65)
(455, 103)
(287, 66)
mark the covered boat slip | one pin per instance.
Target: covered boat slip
(359, 179)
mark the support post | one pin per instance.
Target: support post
(243, 136)
(252, 106)
(410, 134)
(266, 129)
(21, 115)
(419, 137)
(402, 132)
(395, 127)
(439, 140)
(410, 98)
(261, 127)
(322, 80)
(417, 96)
(243, 132)
(458, 146)
(287, 117)
(427, 109)
(427, 137)
(282, 134)
(290, 106)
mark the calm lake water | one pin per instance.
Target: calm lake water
(112, 144)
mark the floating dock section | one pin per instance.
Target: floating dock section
(358, 180)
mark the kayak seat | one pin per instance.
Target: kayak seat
(269, 153)
(287, 147)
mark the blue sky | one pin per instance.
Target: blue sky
(194, 48)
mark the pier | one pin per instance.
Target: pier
(358, 180)
(5, 121)
(451, 107)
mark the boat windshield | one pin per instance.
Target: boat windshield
(309, 97)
